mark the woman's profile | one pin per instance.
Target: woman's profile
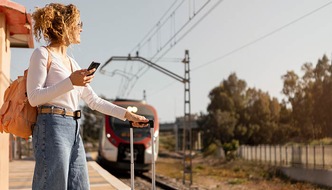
(56, 92)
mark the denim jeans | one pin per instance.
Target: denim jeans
(59, 153)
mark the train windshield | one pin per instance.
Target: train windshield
(121, 128)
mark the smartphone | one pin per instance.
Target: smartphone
(93, 65)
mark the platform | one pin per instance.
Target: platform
(21, 173)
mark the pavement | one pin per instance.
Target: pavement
(21, 173)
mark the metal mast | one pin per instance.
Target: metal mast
(187, 141)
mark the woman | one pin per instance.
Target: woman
(56, 90)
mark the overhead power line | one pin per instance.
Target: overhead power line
(249, 44)
(261, 38)
(179, 26)
(197, 12)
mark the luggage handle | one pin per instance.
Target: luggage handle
(153, 174)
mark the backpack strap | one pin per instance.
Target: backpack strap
(49, 59)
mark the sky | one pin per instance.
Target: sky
(259, 40)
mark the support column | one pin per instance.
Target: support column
(4, 83)
(187, 130)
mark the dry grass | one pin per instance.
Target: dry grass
(211, 173)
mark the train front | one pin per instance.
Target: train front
(114, 148)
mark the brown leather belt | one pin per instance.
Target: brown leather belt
(60, 111)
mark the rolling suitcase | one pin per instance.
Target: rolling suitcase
(132, 172)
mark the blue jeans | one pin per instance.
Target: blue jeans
(59, 153)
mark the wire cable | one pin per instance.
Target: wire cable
(250, 43)
(148, 35)
(262, 37)
(186, 33)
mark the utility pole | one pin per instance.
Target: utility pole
(187, 131)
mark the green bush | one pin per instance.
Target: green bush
(210, 150)
(230, 149)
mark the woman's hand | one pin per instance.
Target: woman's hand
(138, 120)
(80, 78)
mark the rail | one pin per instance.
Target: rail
(159, 182)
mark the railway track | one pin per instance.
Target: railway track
(143, 181)
(160, 183)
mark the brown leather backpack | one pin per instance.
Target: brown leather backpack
(17, 116)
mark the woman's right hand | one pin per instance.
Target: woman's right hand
(138, 120)
(80, 78)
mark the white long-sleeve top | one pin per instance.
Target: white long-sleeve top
(55, 87)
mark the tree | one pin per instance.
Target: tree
(309, 97)
(247, 115)
(261, 121)
(226, 103)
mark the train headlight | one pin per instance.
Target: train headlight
(132, 109)
(112, 140)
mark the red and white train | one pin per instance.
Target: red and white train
(114, 141)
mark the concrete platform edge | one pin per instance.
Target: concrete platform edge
(108, 177)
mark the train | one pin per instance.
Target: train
(114, 138)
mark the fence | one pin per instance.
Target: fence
(308, 156)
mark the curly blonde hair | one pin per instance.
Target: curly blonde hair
(55, 22)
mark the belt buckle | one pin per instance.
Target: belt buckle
(77, 114)
(64, 112)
